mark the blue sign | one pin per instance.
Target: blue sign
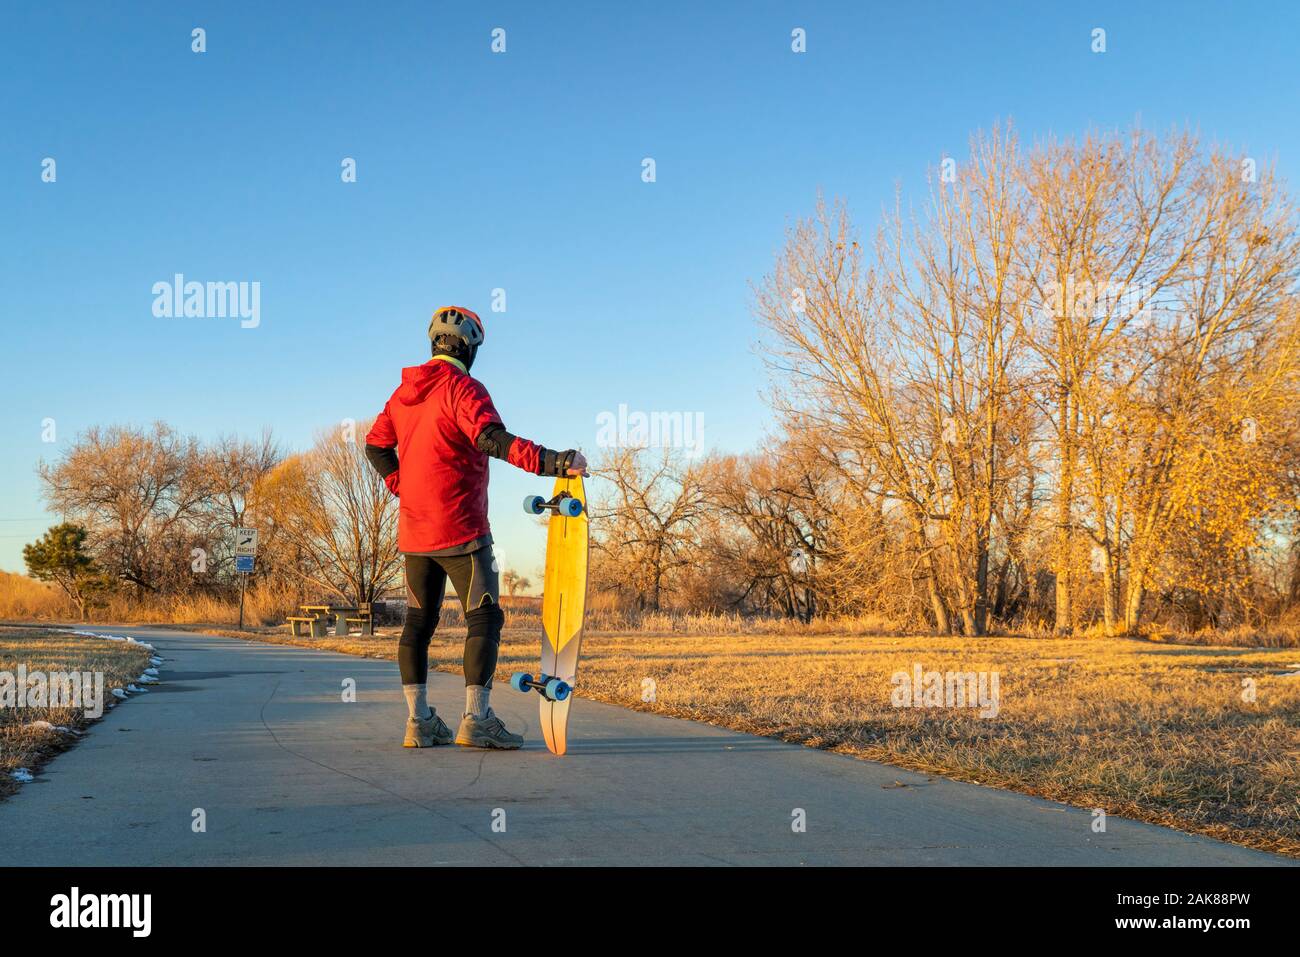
(243, 563)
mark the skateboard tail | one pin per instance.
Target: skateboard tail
(555, 732)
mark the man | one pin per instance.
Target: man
(431, 445)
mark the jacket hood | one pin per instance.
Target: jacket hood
(419, 381)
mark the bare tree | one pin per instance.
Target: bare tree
(1228, 358)
(139, 492)
(332, 511)
(648, 523)
(911, 363)
(514, 581)
(778, 537)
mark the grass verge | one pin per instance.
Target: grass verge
(29, 737)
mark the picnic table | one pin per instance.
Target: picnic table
(316, 618)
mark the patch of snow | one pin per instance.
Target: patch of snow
(134, 690)
(127, 638)
(154, 671)
(147, 679)
(46, 726)
(23, 776)
(118, 693)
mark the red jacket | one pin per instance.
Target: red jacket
(434, 419)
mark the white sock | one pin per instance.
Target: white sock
(417, 701)
(476, 700)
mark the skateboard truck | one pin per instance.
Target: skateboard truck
(564, 504)
(553, 689)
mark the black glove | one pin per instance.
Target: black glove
(555, 463)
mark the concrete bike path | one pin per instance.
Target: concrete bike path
(285, 772)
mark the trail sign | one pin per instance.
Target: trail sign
(245, 541)
(245, 549)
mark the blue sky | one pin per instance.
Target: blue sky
(519, 171)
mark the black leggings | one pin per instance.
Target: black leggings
(474, 576)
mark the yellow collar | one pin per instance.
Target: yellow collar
(456, 362)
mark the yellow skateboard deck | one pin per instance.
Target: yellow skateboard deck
(564, 605)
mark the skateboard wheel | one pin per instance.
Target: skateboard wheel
(533, 504)
(557, 690)
(519, 681)
(571, 507)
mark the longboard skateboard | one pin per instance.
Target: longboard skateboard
(564, 605)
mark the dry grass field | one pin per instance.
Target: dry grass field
(1157, 732)
(28, 736)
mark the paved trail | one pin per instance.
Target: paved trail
(258, 736)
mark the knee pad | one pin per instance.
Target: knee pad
(485, 621)
(418, 627)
